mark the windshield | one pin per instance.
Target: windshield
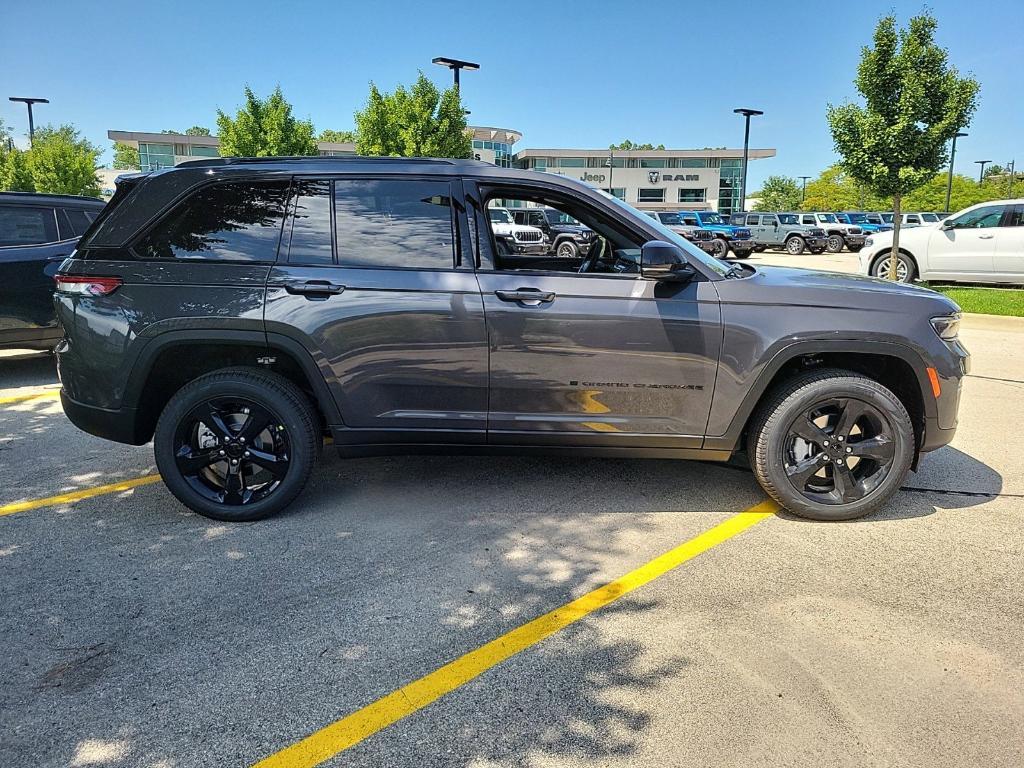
(931, 217)
(828, 218)
(788, 218)
(711, 218)
(887, 218)
(857, 218)
(500, 216)
(557, 217)
(669, 236)
(670, 219)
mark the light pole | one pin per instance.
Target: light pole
(952, 157)
(28, 102)
(981, 173)
(610, 163)
(1013, 166)
(455, 65)
(803, 191)
(747, 114)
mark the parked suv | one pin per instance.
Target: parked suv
(837, 233)
(869, 222)
(783, 231)
(727, 237)
(37, 232)
(234, 311)
(520, 237)
(702, 238)
(566, 236)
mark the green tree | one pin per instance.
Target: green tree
(914, 103)
(836, 190)
(197, 130)
(15, 175)
(264, 128)
(626, 146)
(778, 193)
(340, 137)
(419, 122)
(62, 162)
(126, 157)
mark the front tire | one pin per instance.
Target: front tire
(719, 248)
(760, 248)
(567, 249)
(237, 444)
(834, 243)
(831, 445)
(905, 268)
(795, 245)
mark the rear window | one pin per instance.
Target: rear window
(394, 223)
(26, 225)
(231, 221)
(73, 222)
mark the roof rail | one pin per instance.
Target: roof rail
(221, 161)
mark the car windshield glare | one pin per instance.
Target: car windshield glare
(669, 236)
(829, 218)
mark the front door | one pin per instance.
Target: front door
(967, 247)
(379, 300)
(590, 353)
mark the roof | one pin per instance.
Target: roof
(42, 197)
(324, 163)
(754, 154)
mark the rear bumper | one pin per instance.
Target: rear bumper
(118, 425)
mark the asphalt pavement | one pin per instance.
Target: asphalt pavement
(138, 634)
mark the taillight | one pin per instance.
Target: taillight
(87, 285)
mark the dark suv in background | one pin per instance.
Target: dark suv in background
(37, 232)
(566, 236)
(235, 311)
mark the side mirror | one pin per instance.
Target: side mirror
(946, 225)
(665, 263)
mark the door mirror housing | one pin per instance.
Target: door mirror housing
(665, 263)
(947, 225)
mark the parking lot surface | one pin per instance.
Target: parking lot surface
(138, 634)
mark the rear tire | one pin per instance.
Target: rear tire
(237, 444)
(810, 473)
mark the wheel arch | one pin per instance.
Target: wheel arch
(898, 367)
(172, 359)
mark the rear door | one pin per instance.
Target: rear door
(370, 281)
(1008, 262)
(967, 249)
(30, 252)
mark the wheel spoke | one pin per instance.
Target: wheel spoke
(846, 486)
(851, 412)
(214, 421)
(879, 448)
(809, 431)
(257, 421)
(234, 485)
(803, 470)
(275, 465)
(190, 462)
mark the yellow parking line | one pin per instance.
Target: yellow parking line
(350, 730)
(48, 394)
(74, 496)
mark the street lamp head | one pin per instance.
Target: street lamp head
(959, 135)
(983, 161)
(454, 63)
(748, 112)
(27, 100)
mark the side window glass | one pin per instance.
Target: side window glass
(233, 221)
(809, 220)
(980, 218)
(913, 219)
(1016, 217)
(768, 221)
(76, 222)
(394, 223)
(25, 225)
(309, 236)
(751, 221)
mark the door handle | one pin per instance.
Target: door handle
(531, 297)
(322, 288)
(985, 237)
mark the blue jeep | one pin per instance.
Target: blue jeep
(869, 222)
(726, 235)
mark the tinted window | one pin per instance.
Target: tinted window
(979, 218)
(1016, 217)
(22, 225)
(309, 236)
(394, 223)
(236, 221)
(751, 221)
(768, 221)
(76, 222)
(809, 220)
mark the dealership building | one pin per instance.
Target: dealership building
(656, 179)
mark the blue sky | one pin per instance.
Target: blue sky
(579, 74)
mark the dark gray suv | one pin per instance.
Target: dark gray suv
(236, 311)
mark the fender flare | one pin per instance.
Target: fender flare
(730, 440)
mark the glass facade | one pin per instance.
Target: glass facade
(729, 185)
(692, 195)
(155, 156)
(502, 151)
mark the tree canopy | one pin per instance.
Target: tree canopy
(778, 193)
(126, 157)
(420, 121)
(59, 161)
(340, 137)
(264, 128)
(626, 146)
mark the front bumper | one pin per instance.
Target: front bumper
(815, 242)
(857, 241)
(530, 249)
(741, 246)
(708, 246)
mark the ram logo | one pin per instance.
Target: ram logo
(653, 176)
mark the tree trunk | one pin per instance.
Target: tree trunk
(897, 218)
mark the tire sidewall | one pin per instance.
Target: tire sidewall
(570, 246)
(830, 243)
(302, 450)
(793, 250)
(772, 460)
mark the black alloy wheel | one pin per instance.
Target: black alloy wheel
(839, 450)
